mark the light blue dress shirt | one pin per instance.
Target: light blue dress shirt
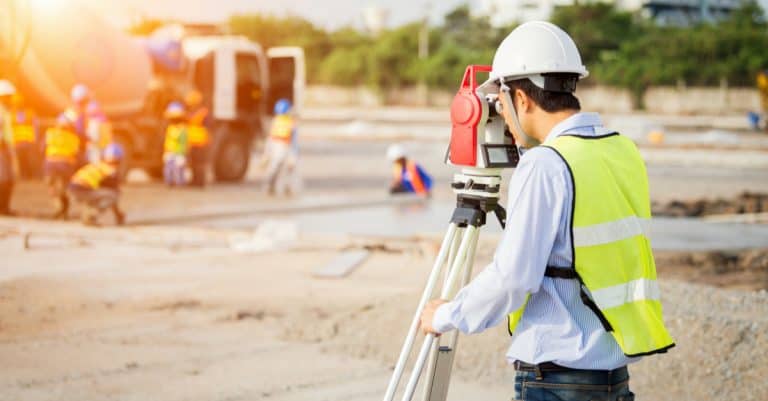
(556, 326)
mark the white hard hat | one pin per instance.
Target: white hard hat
(6, 88)
(395, 152)
(80, 93)
(536, 48)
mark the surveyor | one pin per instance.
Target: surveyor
(407, 175)
(573, 275)
(62, 150)
(98, 131)
(281, 151)
(26, 141)
(176, 145)
(7, 169)
(199, 137)
(96, 186)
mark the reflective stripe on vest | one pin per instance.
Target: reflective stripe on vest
(92, 175)
(282, 128)
(61, 145)
(415, 177)
(609, 228)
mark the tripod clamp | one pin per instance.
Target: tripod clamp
(476, 196)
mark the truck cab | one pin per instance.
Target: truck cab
(240, 83)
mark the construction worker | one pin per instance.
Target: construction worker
(176, 145)
(62, 151)
(407, 175)
(199, 138)
(80, 96)
(7, 171)
(25, 137)
(281, 151)
(573, 275)
(762, 88)
(98, 130)
(96, 186)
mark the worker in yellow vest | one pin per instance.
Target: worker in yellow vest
(281, 152)
(62, 156)
(25, 137)
(7, 160)
(573, 275)
(176, 145)
(96, 186)
(199, 137)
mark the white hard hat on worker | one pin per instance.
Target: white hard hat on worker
(6, 88)
(532, 49)
(544, 54)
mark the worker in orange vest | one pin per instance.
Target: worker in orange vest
(26, 143)
(96, 186)
(198, 137)
(407, 175)
(62, 155)
(281, 151)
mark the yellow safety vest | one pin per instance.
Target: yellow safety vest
(612, 253)
(176, 139)
(61, 145)
(282, 128)
(23, 131)
(198, 133)
(92, 175)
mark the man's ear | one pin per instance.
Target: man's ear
(522, 101)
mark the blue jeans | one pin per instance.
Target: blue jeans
(575, 385)
(173, 172)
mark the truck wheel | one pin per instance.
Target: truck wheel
(232, 159)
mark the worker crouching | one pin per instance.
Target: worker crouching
(176, 145)
(199, 137)
(96, 186)
(408, 177)
(62, 150)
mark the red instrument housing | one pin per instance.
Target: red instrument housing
(466, 115)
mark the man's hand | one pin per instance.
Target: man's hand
(428, 314)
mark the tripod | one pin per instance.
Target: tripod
(477, 194)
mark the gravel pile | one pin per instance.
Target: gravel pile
(721, 336)
(745, 202)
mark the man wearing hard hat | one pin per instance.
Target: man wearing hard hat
(7, 171)
(408, 177)
(573, 276)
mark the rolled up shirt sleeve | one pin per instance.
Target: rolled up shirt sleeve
(534, 207)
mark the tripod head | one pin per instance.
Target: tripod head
(477, 194)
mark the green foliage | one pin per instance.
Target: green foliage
(619, 48)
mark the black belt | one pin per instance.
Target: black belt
(540, 367)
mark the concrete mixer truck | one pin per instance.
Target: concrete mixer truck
(135, 78)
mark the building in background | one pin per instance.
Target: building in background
(375, 19)
(664, 12)
(689, 12)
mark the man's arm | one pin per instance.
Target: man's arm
(537, 193)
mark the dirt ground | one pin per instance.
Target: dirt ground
(174, 314)
(161, 311)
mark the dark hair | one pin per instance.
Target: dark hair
(549, 101)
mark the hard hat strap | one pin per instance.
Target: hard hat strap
(529, 142)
